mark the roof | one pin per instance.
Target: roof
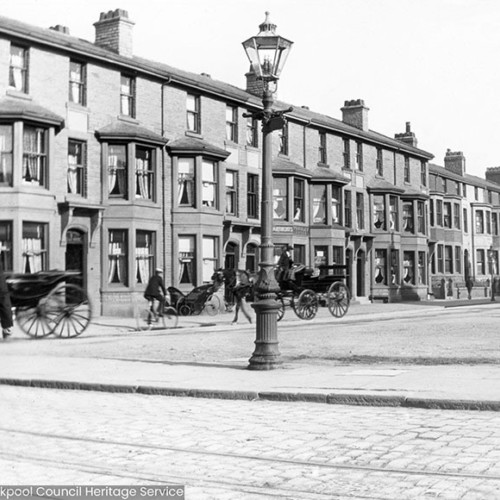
(281, 165)
(384, 186)
(123, 130)
(467, 178)
(29, 110)
(193, 145)
(203, 83)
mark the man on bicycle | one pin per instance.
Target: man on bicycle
(155, 290)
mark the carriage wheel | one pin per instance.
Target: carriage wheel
(212, 305)
(306, 304)
(281, 309)
(183, 308)
(338, 299)
(33, 322)
(68, 310)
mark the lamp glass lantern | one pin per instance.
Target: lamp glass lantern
(267, 52)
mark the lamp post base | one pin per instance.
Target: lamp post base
(266, 355)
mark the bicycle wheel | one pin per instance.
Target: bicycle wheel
(145, 319)
(170, 317)
(212, 305)
(338, 299)
(33, 322)
(306, 304)
(68, 310)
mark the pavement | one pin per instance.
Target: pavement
(473, 386)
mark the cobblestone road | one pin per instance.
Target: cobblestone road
(247, 450)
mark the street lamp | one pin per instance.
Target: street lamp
(267, 53)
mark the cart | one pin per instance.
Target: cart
(49, 302)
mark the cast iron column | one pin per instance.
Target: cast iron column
(266, 355)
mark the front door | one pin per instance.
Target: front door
(75, 255)
(360, 274)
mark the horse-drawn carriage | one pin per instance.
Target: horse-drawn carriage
(49, 302)
(307, 289)
(304, 290)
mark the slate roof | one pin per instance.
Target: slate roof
(29, 110)
(467, 178)
(121, 129)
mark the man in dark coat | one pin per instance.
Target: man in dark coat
(156, 290)
(5, 306)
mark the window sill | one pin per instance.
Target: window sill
(77, 107)
(128, 119)
(191, 133)
(230, 143)
(323, 165)
(17, 93)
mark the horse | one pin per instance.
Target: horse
(239, 286)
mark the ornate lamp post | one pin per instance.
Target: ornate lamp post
(267, 53)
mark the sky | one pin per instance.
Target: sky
(433, 63)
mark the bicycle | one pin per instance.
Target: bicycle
(147, 317)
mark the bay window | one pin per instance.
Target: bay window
(5, 155)
(422, 280)
(280, 198)
(421, 217)
(379, 211)
(6, 245)
(144, 256)
(380, 266)
(393, 213)
(209, 180)
(187, 260)
(336, 204)
(117, 257)
(298, 200)
(117, 170)
(34, 155)
(409, 267)
(34, 247)
(408, 217)
(144, 173)
(185, 180)
(319, 203)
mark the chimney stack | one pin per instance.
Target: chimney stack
(407, 137)
(493, 174)
(355, 113)
(113, 31)
(454, 161)
(254, 85)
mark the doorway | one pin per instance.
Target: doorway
(360, 274)
(75, 257)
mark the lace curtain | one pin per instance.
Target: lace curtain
(142, 264)
(32, 255)
(142, 178)
(116, 173)
(117, 263)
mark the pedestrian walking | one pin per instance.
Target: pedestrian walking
(5, 306)
(155, 290)
(241, 288)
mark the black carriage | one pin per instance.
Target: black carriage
(49, 302)
(201, 298)
(307, 289)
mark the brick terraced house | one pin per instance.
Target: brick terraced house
(113, 165)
